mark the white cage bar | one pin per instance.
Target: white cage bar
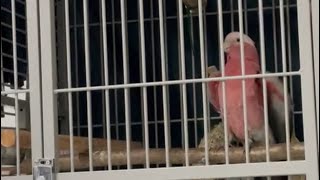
(263, 70)
(222, 62)
(184, 87)
(315, 39)
(106, 78)
(284, 69)
(34, 79)
(163, 75)
(49, 100)
(124, 32)
(15, 81)
(203, 75)
(308, 93)
(144, 79)
(243, 85)
(88, 78)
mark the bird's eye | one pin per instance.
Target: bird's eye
(238, 39)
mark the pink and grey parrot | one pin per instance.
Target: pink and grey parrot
(275, 93)
(253, 91)
(254, 96)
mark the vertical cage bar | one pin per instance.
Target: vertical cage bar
(263, 70)
(88, 78)
(203, 75)
(244, 99)
(307, 89)
(184, 86)
(102, 75)
(49, 79)
(222, 62)
(164, 89)
(290, 64)
(125, 78)
(34, 78)
(144, 80)
(106, 80)
(206, 60)
(166, 67)
(17, 129)
(141, 81)
(194, 95)
(284, 68)
(69, 84)
(15, 80)
(315, 26)
(180, 75)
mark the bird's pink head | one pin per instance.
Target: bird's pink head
(233, 39)
(232, 48)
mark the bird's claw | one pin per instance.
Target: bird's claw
(203, 160)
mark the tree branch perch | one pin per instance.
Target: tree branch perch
(177, 156)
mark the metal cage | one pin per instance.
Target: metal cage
(119, 89)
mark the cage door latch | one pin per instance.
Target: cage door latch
(43, 169)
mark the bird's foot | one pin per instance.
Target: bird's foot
(250, 145)
(203, 161)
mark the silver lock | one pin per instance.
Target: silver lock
(43, 169)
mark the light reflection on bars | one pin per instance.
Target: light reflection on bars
(222, 62)
(284, 69)
(15, 69)
(203, 75)
(144, 79)
(125, 78)
(184, 87)
(163, 75)
(244, 99)
(70, 107)
(263, 70)
(88, 79)
(106, 79)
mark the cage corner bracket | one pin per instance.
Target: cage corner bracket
(43, 169)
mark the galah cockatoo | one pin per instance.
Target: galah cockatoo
(275, 100)
(253, 91)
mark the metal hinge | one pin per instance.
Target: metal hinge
(43, 169)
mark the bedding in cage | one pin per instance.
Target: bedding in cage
(153, 95)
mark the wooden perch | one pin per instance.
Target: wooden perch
(177, 156)
(8, 139)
